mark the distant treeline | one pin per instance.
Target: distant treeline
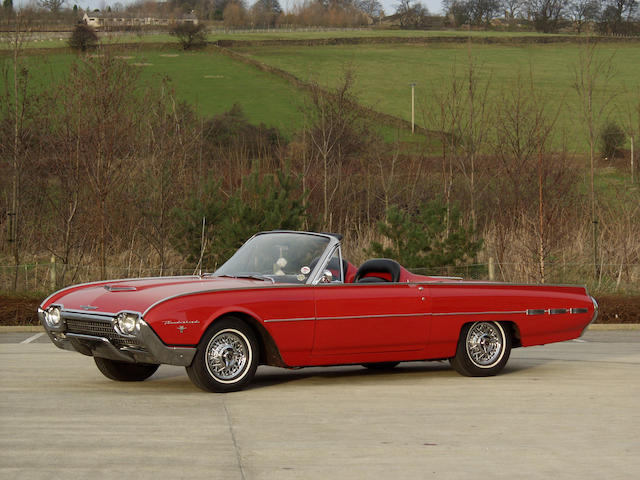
(615, 17)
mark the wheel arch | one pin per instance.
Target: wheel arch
(269, 352)
(511, 329)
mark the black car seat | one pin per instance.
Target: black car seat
(383, 267)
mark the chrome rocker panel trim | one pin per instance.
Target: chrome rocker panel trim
(153, 350)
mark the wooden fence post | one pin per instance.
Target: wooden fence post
(492, 270)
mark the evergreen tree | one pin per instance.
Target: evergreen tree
(420, 239)
(264, 202)
(204, 203)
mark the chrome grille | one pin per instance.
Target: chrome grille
(100, 329)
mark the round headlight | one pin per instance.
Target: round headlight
(53, 317)
(127, 323)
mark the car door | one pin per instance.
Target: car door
(369, 318)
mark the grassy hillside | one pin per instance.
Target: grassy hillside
(213, 82)
(385, 72)
(208, 80)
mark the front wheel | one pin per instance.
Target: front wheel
(483, 349)
(124, 371)
(227, 357)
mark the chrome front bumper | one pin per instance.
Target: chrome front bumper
(144, 347)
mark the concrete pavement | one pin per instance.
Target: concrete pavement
(568, 410)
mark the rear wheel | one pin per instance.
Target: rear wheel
(227, 357)
(483, 349)
(124, 371)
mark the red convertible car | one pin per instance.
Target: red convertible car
(290, 299)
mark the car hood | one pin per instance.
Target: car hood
(137, 295)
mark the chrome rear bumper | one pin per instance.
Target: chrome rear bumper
(595, 315)
(144, 347)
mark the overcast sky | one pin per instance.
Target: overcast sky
(389, 5)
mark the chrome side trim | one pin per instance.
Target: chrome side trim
(302, 319)
(387, 315)
(472, 283)
(425, 314)
(514, 312)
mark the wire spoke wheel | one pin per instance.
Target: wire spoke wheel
(483, 349)
(484, 344)
(226, 358)
(227, 355)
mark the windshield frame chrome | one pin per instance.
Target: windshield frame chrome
(316, 274)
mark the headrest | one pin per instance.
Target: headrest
(379, 265)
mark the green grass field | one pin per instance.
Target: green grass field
(213, 82)
(210, 81)
(385, 72)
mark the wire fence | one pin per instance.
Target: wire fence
(50, 276)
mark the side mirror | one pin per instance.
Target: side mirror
(327, 277)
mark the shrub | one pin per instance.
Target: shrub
(83, 38)
(233, 129)
(190, 35)
(612, 138)
(421, 239)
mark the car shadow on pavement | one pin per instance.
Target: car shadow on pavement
(174, 379)
(351, 374)
(357, 374)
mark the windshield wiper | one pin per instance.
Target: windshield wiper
(255, 276)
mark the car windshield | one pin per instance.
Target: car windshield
(283, 257)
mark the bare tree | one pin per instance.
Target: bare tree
(373, 8)
(412, 13)
(161, 177)
(18, 113)
(532, 186)
(336, 130)
(512, 8)
(620, 231)
(110, 109)
(54, 6)
(582, 11)
(447, 120)
(592, 74)
(474, 127)
(546, 13)
(68, 237)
